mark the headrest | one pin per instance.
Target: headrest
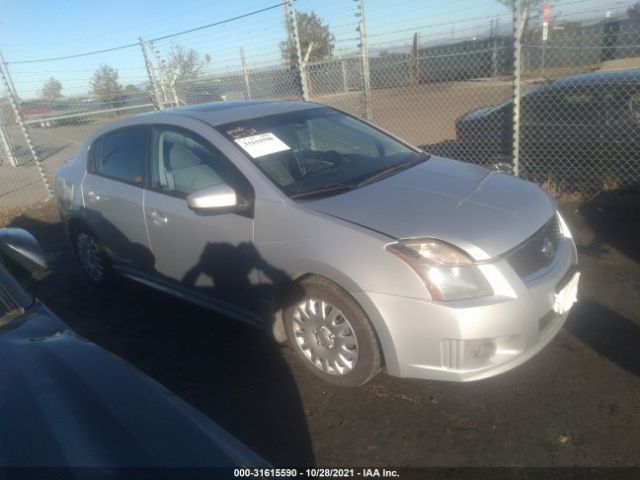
(181, 157)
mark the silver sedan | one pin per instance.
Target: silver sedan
(361, 250)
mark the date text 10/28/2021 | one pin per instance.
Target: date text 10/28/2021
(347, 473)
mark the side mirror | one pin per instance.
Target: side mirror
(22, 254)
(215, 197)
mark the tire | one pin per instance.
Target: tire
(94, 262)
(336, 342)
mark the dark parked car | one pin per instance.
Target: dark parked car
(569, 128)
(65, 402)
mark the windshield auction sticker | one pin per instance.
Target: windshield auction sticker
(262, 144)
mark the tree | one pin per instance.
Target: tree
(310, 29)
(532, 5)
(104, 84)
(51, 91)
(187, 61)
(131, 90)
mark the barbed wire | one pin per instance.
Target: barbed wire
(164, 37)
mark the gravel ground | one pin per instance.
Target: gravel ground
(577, 403)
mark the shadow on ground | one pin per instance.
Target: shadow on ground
(608, 333)
(233, 373)
(614, 217)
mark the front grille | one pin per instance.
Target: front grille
(537, 251)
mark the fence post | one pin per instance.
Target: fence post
(345, 85)
(296, 40)
(162, 75)
(365, 63)
(414, 62)
(245, 73)
(5, 139)
(157, 102)
(13, 100)
(172, 86)
(519, 18)
(12, 87)
(494, 54)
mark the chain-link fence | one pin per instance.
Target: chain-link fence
(576, 121)
(580, 125)
(44, 127)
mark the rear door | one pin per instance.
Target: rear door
(113, 194)
(207, 254)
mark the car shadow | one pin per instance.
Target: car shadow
(614, 217)
(608, 333)
(234, 374)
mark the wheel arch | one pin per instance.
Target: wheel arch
(282, 293)
(75, 223)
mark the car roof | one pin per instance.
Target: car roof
(219, 113)
(601, 77)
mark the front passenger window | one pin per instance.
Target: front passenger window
(183, 164)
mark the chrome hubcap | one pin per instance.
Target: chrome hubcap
(90, 257)
(325, 336)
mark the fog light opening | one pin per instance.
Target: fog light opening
(484, 350)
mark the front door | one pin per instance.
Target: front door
(209, 254)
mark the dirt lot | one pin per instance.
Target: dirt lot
(576, 404)
(424, 114)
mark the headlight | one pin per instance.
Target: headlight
(448, 273)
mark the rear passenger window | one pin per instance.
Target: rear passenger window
(121, 155)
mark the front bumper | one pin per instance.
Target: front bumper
(477, 338)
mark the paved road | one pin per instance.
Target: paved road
(575, 404)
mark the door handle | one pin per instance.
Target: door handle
(93, 195)
(158, 217)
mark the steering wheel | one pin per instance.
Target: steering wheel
(331, 157)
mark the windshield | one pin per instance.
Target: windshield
(318, 151)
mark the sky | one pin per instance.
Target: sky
(45, 29)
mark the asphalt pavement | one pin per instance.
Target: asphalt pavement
(577, 403)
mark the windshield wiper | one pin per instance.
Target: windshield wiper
(393, 168)
(335, 187)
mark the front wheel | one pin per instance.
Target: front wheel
(331, 334)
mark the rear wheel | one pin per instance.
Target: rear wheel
(93, 260)
(331, 334)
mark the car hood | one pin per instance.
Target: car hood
(65, 402)
(484, 212)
